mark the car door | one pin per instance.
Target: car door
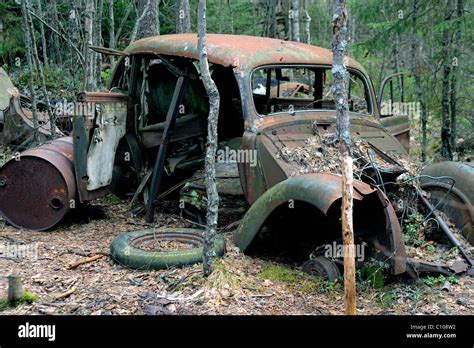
(394, 113)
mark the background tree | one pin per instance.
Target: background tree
(447, 60)
(182, 16)
(29, 59)
(387, 36)
(90, 83)
(148, 21)
(295, 20)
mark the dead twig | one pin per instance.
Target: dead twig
(66, 294)
(88, 260)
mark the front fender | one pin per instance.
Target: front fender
(321, 190)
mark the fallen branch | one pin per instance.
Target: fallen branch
(88, 260)
(66, 294)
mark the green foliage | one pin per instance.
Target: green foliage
(439, 280)
(387, 299)
(105, 75)
(380, 30)
(374, 273)
(411, 236)
(11, 35)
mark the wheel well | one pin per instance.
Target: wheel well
(296, 228)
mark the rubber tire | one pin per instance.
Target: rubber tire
(322, 267)
(126, 254)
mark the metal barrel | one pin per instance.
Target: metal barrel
(38, 189)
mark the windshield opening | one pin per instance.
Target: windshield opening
(289, 89)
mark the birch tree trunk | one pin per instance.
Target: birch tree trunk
(89, 69)
(111, 24)
(111, 29)
(210, 170)
(307, 23)
(98, 41)
(148, 22)
(182, 16)
(339, 90)
(29, 59)
(295, 20)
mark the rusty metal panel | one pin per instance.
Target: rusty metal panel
(239, 51)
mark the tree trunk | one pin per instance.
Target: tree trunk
(307, 23)
(148, 22)
(295, 20)
(446, 151)
(339, 89)
(454, 78)
(98, 41)
(182, 16)
(111, 24)
(29, 59)
(416, 75)
(89, 56)
(39, 66)
(210, 170)
(111, 29)
(44, 46)
(57, 50)
(122, 24)
(269, 24)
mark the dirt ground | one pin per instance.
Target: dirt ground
(239, 284)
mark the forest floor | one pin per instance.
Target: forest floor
(239, 285)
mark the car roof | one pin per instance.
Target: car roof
(239, 51)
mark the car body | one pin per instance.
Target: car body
(151, 127)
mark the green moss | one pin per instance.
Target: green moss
(27, 298)
(112, 199)
(279, 273)
(298, 280)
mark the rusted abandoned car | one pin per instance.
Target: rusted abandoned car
(147, 136)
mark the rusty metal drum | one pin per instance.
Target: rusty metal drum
(38, 188)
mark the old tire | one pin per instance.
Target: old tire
(125, 252)
(322, 267)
